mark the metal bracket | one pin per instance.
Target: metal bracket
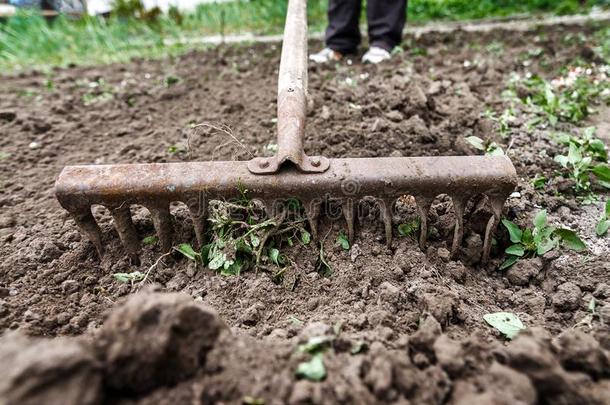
(270, 165)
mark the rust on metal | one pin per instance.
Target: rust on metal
(156, 185)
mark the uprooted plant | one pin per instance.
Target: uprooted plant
(242, 237)
(531, 242)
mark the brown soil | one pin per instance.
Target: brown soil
(419, 313)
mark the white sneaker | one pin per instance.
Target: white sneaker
(375, 55)
(326, 55)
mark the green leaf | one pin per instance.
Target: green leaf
(274, 255)
(513, 230)
(188, 251)
(515, 250)
(602, 172)
(570, 239)
(476, 142)
(122, 277)
(305, 237)
(599, 149)
(408, 229)
(205, 253)
(315, 344)
(545, 246)
(217, 261)
(313, 369)
(126, 277)
(527, 238)
(602, 227)
(539, 182)
(510, 260)
(562, 160)
(150, 240)
(540, 219)
(254, 240)
(342, 240)
(574, 154)
(607, 209)
(506, 322)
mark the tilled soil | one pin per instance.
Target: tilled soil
(419, 313)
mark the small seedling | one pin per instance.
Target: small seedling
(342, 241)
(539, 182)
(409, 229)
(322, 266)
(503, 121)
(150, 240)
(129, 277)
(171, 80)
(314, 369)
(604, 222)
(490, 148)
(173, 149)
(539, 240)
(507, 323)
(590, 317)
(586, 159)
(568, 98)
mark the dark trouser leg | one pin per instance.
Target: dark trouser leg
(343, 33)
(386, 20)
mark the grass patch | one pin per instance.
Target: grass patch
(29, 41)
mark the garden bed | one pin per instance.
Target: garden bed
(397, 323)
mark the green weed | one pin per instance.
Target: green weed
(507, 323)
(604, 222)
(409, 228)
(541, 239)
(490, 148)
(129, 277)
(343, 241)
(568, 98)
(586, 159)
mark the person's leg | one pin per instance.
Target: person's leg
(343, 33)
(386, 20)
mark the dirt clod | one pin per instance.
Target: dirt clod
(567, 297)
(41, 371)
(522, 272)
(156, 339)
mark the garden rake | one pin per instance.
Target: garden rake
(289, 174)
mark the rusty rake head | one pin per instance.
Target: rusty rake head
(290, 174)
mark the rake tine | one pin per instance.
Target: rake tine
(423, 206)
(459, 204)
(348, 212)
(385, 207)
(496, 203)
(127, 232)
(312, 210)
(163, 225)
(198, 209)
(86, 222)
